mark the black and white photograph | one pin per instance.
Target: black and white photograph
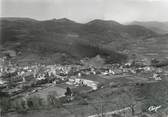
(83, 58)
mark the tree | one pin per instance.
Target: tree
(154, 62)
(68, 92)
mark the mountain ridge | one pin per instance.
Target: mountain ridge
(159, 27)
(78, 40)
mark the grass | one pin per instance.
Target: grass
(152, 94)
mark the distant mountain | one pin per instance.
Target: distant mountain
(16, 19)
(66, 37)
(159, 27)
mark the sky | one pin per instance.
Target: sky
(86, 10)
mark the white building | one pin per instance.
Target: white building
(89, 83)
(2, 82)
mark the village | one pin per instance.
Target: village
(52, 83)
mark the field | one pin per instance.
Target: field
(119, 92)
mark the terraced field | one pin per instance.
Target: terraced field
(156, 47)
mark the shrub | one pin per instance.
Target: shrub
(5, 104)
(34, 102)
(53, 101)
(83, 102)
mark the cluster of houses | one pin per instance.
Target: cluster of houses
(67, 74)
(48, 79)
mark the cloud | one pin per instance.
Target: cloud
(85, 10)
(29, 0)
(147, 0)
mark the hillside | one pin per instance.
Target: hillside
(155, 47)
(68, 39)
(159, 27)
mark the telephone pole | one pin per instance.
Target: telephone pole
(101, 107)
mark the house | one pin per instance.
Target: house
(148, 68)
(156, 76)
(2, 82)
